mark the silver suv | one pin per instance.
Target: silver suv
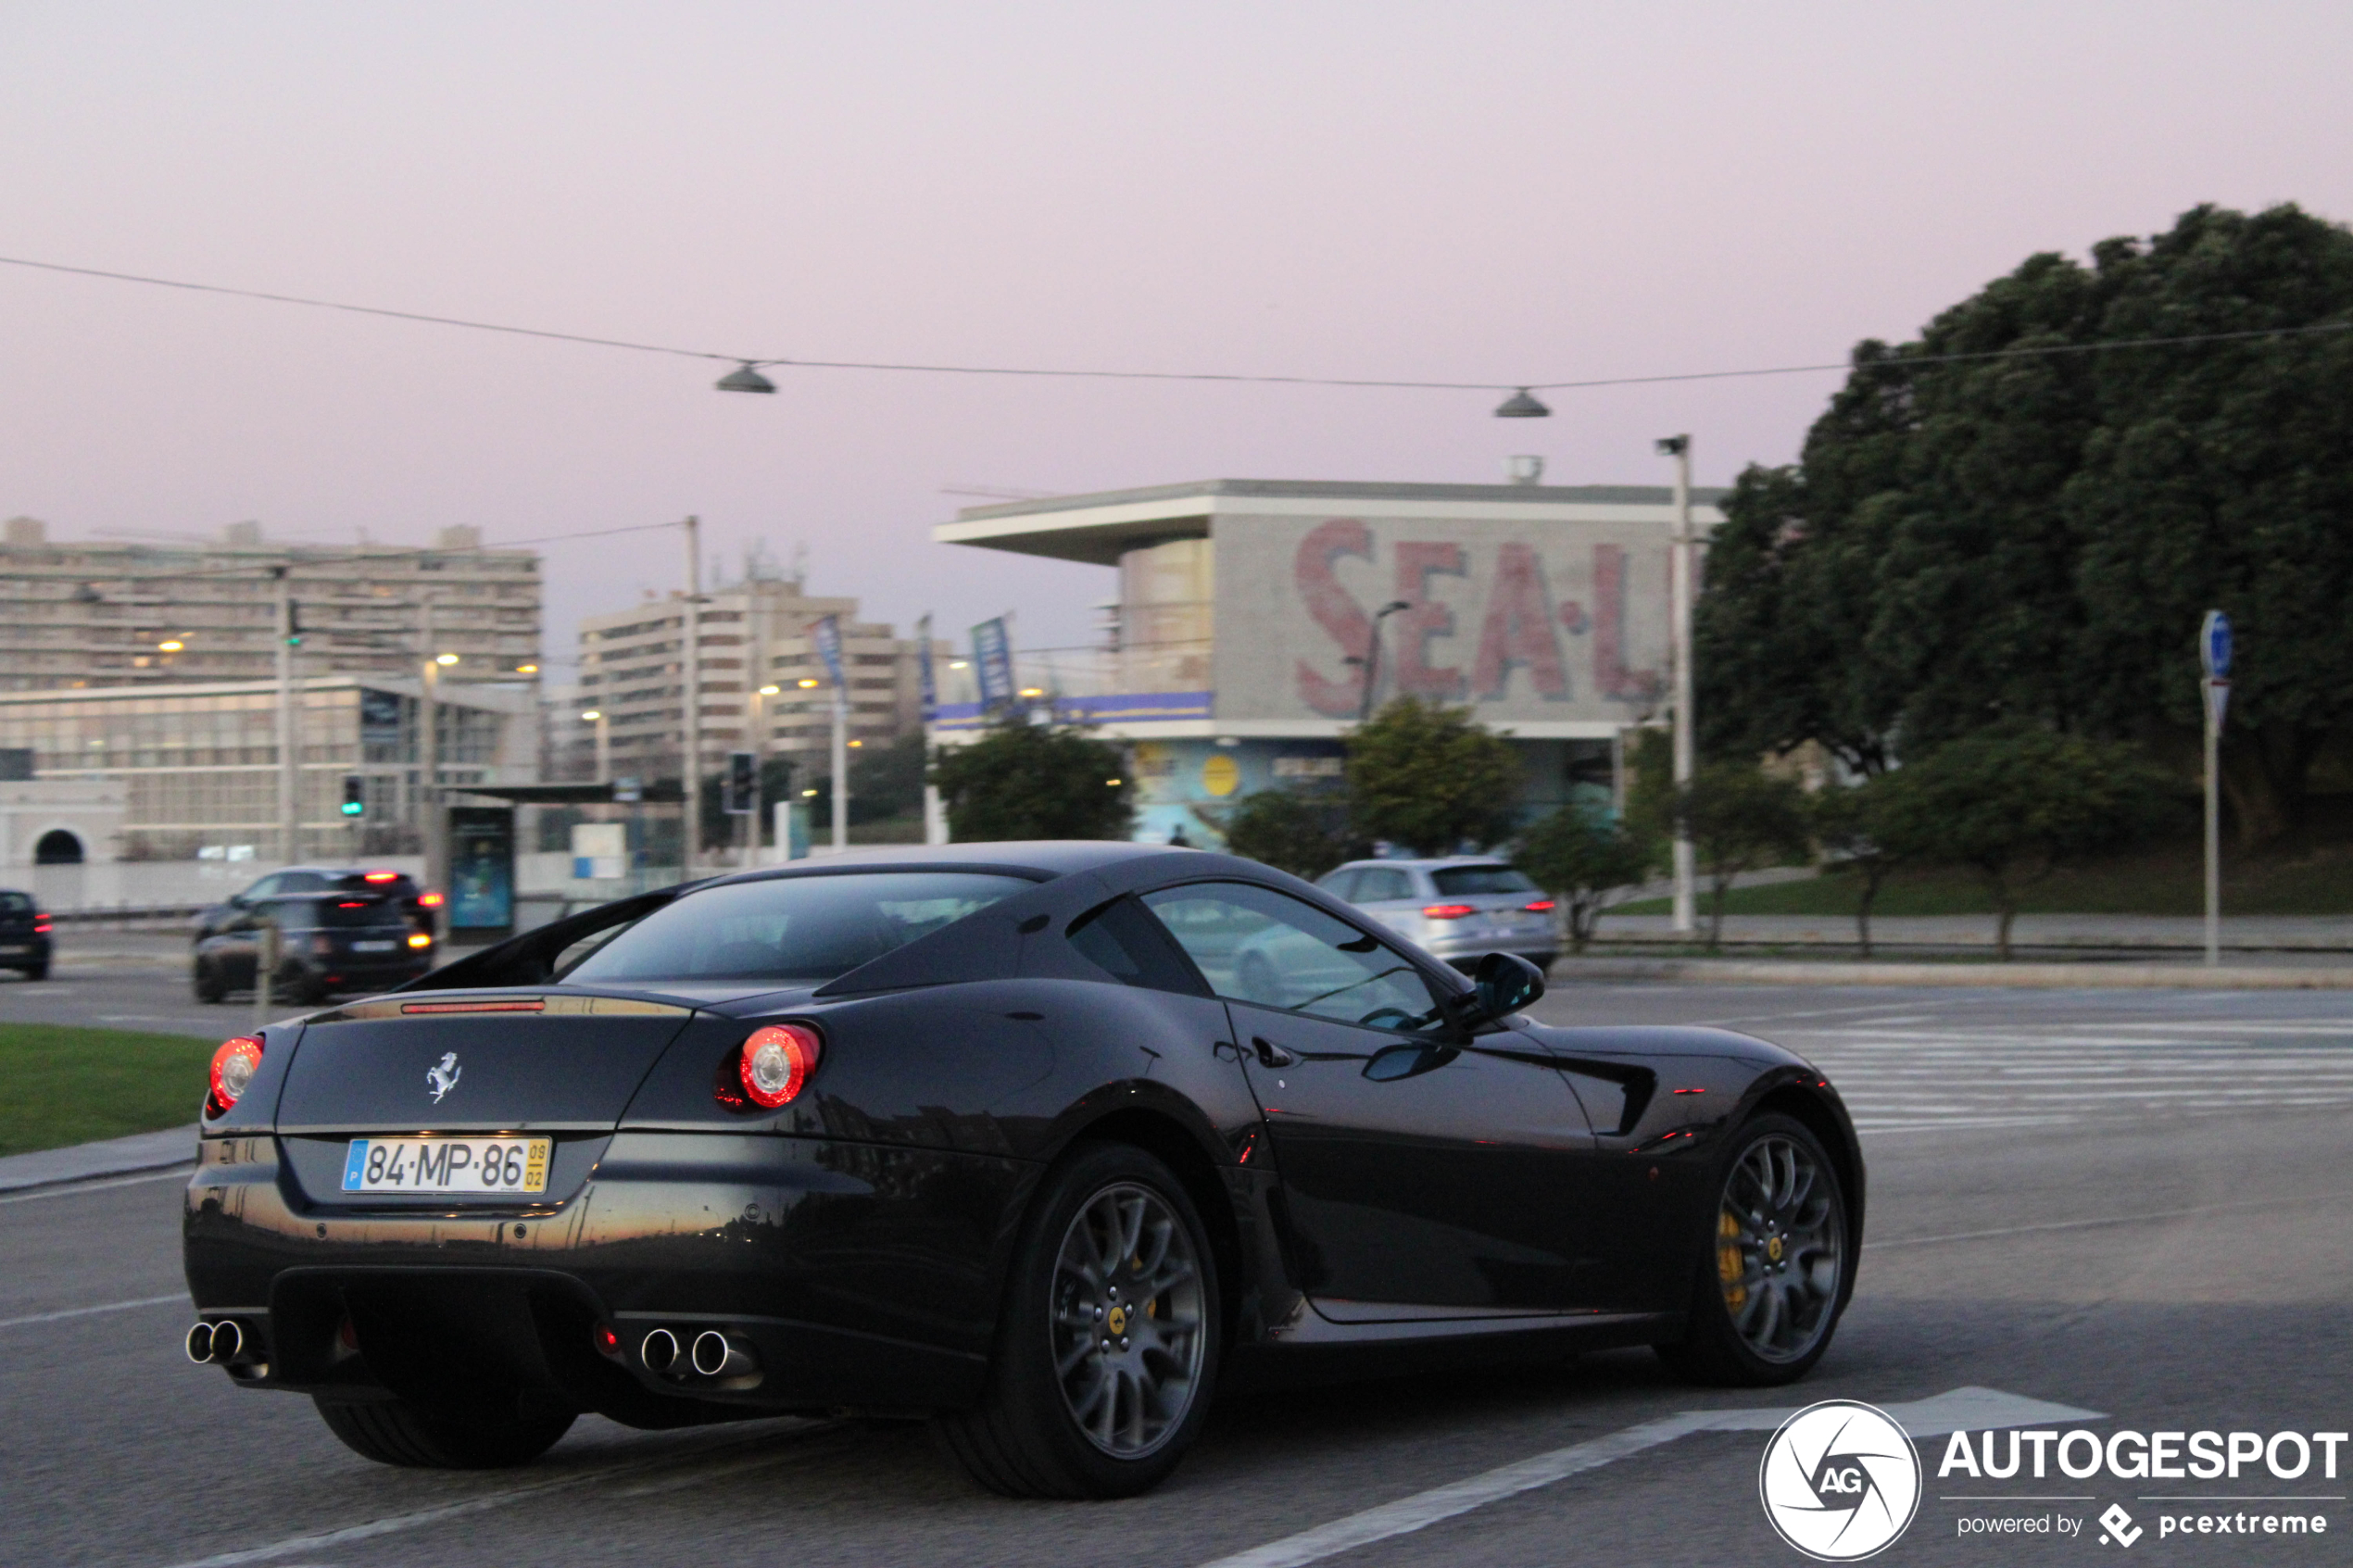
(1456, 909)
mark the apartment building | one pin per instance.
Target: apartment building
(127, 613)
(752, 633)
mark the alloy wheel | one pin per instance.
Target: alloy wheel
(1127, 1320)
(1780, 1253)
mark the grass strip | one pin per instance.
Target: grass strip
(69, 1086)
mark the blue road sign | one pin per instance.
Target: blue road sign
(2214, 645)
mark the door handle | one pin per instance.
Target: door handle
(1272, 1055)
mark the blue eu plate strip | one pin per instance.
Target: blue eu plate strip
(355, 1165)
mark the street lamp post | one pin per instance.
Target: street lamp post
(436, 821)
(1679, 593)
(1370, 663)
(604, 743)
(289, 743)
(759, 697)
(690, 731)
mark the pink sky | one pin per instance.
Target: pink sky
(1479, 192)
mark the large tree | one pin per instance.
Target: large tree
(1973, 537)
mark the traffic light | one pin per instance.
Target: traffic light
(355, 796)
(741, 795)
(293, 640)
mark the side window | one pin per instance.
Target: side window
(265, 888)
(300, 882)
(1127, 943)
(1341, 885)
(1383, 883)
(1255, 945)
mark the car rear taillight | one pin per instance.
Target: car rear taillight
(1449, 912)
(234, 1066)
(40, 925)
(421, 940)
(381, 876)
(1540, 906)
(770, 1068)
(429, 900)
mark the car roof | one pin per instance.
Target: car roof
(337, 871)
(1048, 858)
(1430, 865)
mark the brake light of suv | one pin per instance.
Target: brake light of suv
(1449, 912)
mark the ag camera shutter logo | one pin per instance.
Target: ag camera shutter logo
(1840, 1481)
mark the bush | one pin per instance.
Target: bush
(1739, 818)
(1289, 832)
(1580, 855)
(1432, 778)
(1034, 781)
(2012, 803)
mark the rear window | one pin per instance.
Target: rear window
(1461, 881)
(793, 928)
(16, 904)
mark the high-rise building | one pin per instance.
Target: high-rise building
(102, 613)
(753, 633)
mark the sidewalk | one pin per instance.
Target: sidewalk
(1914, 935)
(109, 1157)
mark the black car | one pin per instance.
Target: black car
(1008, 1137)
(24, 935)
(400, 886)
(328, 944)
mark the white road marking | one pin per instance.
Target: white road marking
(395, 1523)
(1958, 1409)
(180, 1296)
(2109, 1220)
(75, 1189)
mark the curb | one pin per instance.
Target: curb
(2053, 976)
(162, 1150)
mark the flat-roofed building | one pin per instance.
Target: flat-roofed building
(196, 765)
(1256, 620)
(102, 612)
(752, 633)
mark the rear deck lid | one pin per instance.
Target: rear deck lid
(452, 1061)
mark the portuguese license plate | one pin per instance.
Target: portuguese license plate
(483, 1167)
(373, 947)
(14, 952)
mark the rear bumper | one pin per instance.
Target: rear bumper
(20, 952)
(854, 1275)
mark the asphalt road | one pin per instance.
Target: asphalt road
(2138, 1204)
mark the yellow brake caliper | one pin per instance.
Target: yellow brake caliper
(1728, 1261)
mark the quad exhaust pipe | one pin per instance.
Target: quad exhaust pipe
(715, 1355)
(215, 1344)
(711, 1354)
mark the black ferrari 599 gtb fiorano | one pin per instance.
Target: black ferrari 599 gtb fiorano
(1032, 1140)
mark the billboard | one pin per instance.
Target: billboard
(1536, 622)
(481, 867)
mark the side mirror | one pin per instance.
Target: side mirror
(1503, 983)
(1394, 1062)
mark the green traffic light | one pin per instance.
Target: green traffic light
(352, 808)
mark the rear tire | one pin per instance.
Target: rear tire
(401, 1432)
(207, 985)
(36, 972)
(1778, 1264)
(1114, 1252)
